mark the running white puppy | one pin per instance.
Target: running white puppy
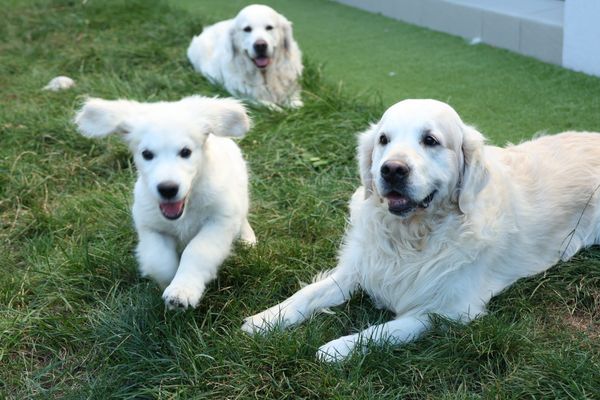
(253, 55)
(191, 196)
(443, 223)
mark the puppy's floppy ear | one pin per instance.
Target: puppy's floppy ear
(225, 117)
(474, 172)
(366, 143)
(98, 117)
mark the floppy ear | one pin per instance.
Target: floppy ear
(98, 117)
(225, 117)
(234, 49)
(365, 158)
(286, 26)
(474, 172)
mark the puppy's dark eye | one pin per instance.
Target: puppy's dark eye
(429, 140)
(383, 140)
(185, 153)
(269, 27)
(147, 155)
(248, 29)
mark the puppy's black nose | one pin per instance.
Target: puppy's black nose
(260, 47)
(394, 171)
(168, 189)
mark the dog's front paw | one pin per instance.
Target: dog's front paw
(297, 103)
(262, 322)
(337, 350)
(181, 295)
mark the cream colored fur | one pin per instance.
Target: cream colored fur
(498, 214)
(223, 53)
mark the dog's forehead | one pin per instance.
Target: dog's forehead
(410, 115)
(164, 132)
(256, 15)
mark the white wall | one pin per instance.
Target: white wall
(581, 40)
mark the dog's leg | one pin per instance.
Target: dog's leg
(157, 256)
(331, 291)
(296, 100)
(199, 263)
(247, 234)
(401, 330)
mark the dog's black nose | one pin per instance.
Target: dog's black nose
(260, 47)
(168, 189)
(394, 171)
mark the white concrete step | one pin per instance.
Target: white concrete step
(530, 27)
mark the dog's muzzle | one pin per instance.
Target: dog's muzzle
(170, 208)
(261, 60)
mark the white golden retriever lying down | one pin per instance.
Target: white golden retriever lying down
(443, 223)
(253, 55)
(191, 196)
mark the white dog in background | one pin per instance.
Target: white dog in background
(253, 55)
(443, 223)
(191, 196)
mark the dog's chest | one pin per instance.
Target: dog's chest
(404, 278)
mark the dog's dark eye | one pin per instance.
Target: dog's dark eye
(383, 140)
(430, 140)
(185, 153)
(147, 155)
(269, 27)
(248, 29)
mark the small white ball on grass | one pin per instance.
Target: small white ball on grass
(59, 83)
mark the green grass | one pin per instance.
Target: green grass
(76, 320)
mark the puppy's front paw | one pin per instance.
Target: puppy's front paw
(181, 295)
(337, 350)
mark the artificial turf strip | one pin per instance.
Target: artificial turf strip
(76, 321)
(509, 97)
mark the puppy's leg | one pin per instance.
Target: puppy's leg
(247, 234)
(199, 263)
(157, 256)
(401, 330)
(331, 291)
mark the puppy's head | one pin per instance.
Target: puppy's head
(167, 139)
(260, 34)
(419, 155)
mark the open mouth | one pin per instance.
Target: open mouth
(172, 209)
(400, 204)
(261, 61)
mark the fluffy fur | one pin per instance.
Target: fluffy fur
(253, 55)
(191, 195)
(458, 223)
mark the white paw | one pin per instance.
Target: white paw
(296, 103)
(337, 350)
(248, 239)
(263, 322)
(181, 295)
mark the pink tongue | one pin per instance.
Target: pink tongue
(171, 210)
(261, 62)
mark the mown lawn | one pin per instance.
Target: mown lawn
(76, 320)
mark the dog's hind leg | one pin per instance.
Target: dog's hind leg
(247, 235)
